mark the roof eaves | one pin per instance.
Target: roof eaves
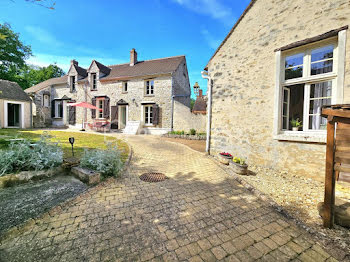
(252, 2)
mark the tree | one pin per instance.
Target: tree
(49, 4)
(13, 54)
(35, 75)
(192, 103)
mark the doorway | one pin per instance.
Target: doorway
(123, 116)
(13, 115)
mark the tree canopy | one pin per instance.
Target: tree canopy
(13, 56)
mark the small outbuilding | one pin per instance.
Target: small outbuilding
(15, 106)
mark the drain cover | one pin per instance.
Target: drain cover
(153, 177)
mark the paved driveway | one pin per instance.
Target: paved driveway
(199, 214)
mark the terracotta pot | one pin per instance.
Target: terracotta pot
(238, 168)
(225, 159)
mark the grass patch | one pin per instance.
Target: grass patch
(82, 140)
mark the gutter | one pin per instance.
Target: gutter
(205, 75)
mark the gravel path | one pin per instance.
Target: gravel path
(299, 196)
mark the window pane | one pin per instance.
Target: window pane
(285, 109)
(317, 122)
(322, 53)
(316, 105)
(285, 96)
(284, 122)
(322, 67)
(294, 72)
(294, 60)
(323, 89)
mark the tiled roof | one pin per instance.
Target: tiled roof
(145, 68)
(200, 105)
(11, 90)
(47, 83)
(121, 71)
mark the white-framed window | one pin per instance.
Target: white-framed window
(125, 87)
(46, 100)
(308, 77)
(149, 87)
(58, 109)
(72, 83)
(94, 81)
(100, 105)
(148, 109)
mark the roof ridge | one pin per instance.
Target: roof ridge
(152, 59)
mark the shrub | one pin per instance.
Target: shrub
(192, 132)
(24, 155)
(107, 162)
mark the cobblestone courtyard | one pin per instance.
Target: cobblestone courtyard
(198, 214)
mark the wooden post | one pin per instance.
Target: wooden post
(329, 196)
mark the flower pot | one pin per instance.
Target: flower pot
(295, 128)
(238, 168)
(225, 159)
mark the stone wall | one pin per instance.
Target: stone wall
(41, 114)
(243, 73)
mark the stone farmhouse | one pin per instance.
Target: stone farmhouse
(281, 61)
(150, 96)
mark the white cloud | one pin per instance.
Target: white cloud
(211, 41)
(214, 8)
(64, 61)
(43, 36)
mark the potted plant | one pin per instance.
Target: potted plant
(296, 124)
(239, 166)
(225, 158)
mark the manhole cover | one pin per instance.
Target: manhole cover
(153, 177)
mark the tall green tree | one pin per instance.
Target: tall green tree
(35, 75)
(13, 54)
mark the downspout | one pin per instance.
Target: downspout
(172, 103)
(205, 75)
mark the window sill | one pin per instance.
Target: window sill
(58, 118)
(300, 136)
(124, 92)
(149, 95)
(149, 125)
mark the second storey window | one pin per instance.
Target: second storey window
(46, 100)
(72, 83)
(125, 87)
(149, 87)
(309, 80)
(93, 81)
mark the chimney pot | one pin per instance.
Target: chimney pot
(133, 57)
(73, 62)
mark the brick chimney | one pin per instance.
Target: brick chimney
(200, 93)
(73, 62)
(133, 57)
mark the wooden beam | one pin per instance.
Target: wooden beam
(336, 112)
(329, 196)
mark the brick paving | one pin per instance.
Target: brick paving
(198, 214)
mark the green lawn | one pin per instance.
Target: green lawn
(82, 140)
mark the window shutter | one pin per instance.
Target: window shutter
(155, 109)
(106, 107)
(72, 115)
(93, 111)
(53, 108)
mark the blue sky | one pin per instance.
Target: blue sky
(106, 30)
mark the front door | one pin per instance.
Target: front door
(13, 115)
(122, 116)
(114, 117)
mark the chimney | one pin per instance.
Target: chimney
(133, 57)
(73, 62)
(200, 93)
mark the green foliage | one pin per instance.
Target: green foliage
(192, 103)
(296, 123)
(13, 54)
(238, 160)
(24, 155)
(192, 132)
(107, 162)
(35, 75)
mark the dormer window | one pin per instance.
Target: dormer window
(72, 83)
(94, 81)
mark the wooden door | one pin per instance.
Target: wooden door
(114, 117)
(72, 114)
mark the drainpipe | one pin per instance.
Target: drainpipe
(205, 75)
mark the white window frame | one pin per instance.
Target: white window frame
(124, 84)
(148, 121)
(57, 103)
(93, 81)
(73, 83)
(46, 98)
(148, 90)
(100, 101)
(337, 78)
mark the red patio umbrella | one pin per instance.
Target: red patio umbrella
(84, 105)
